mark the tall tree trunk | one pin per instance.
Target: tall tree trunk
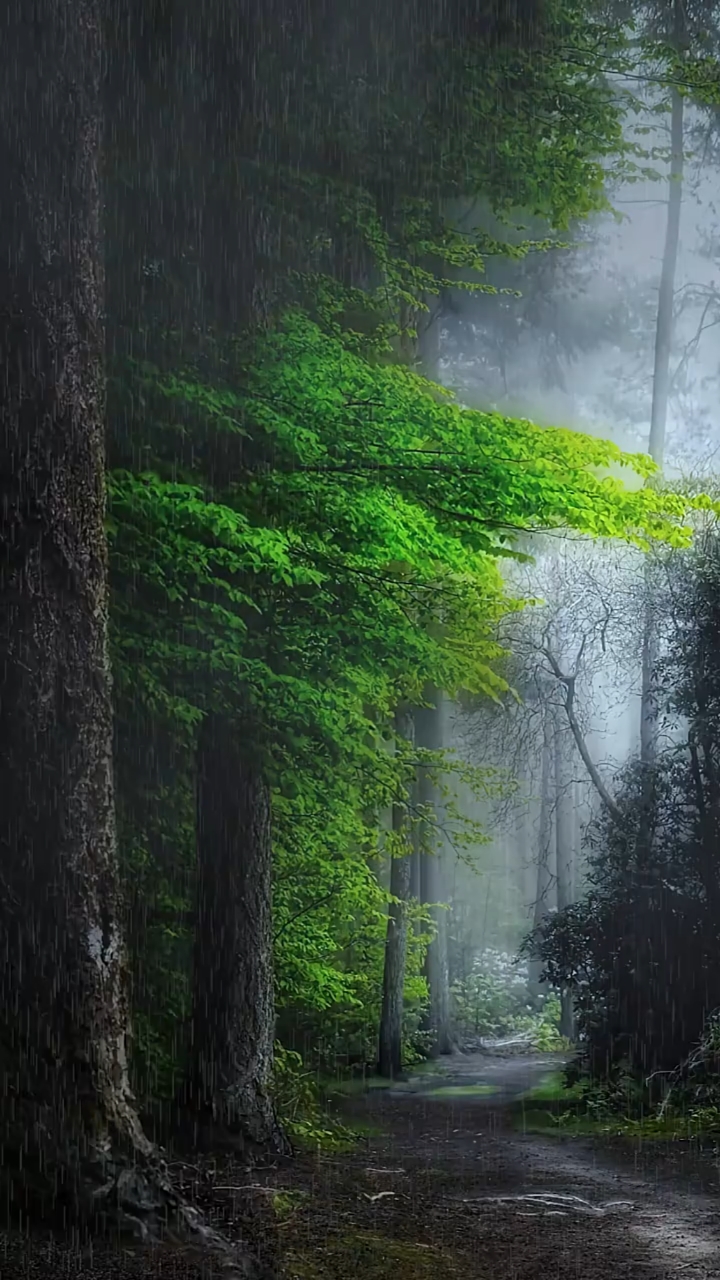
(71, 1139)
(429, 735)
(544, 877)
(391, 1017)
(233, 1013)
(64, 1015)
(564, 850)
(661, 390)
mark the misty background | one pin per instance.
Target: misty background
(570, 342)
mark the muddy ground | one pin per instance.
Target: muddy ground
(445, 1183)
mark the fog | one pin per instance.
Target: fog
(576, 349)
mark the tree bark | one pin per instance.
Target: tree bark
(661, 391)
(72, 1143)
(568, 683)
(233, 1018)
(391, 1017)
(64, 1014)
(429, 735)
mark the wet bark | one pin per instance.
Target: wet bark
(64, 1017)
(73, 1147)
(233, 1019)
(391, 1017)
(429, 735)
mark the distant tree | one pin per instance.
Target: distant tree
(642, 951)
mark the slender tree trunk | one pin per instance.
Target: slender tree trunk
(544, 877)
(233, 1019)
(391, 1018)
(665, 314)
(428, 345)
(564, 851)
(415, 877)
(661, 393)
(429, 734)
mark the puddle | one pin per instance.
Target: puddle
(542, 1203)
(461, 1091)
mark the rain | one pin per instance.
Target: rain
(359, 689)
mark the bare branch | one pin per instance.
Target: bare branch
(568, 683)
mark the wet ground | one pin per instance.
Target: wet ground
(448, 1173)
(445, 1183)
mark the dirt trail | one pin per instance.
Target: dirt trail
(448, 1185)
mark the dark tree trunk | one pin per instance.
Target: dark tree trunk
(64, 1015)
(233, 1005)
(71, 1139)
(429, 735)
(391, 1017)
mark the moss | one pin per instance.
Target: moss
(373, 1257)
(286, 1203)
(462, 1091)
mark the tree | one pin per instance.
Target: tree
(541, 905)
(72, 1141)
(661, 371)
(63, 982)
(391, 1016)
(565, 852)
(232, 1003)
(641, 952)
(429, 734)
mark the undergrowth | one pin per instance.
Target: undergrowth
(304, 1117)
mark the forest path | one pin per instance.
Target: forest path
(445, 1184)
(449, 1185)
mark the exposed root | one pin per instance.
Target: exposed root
(142, 1202)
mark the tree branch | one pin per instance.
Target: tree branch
(569, 685)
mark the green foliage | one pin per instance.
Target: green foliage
(303, 532)
(297, 1100)
(336, 551)
(544, 1027)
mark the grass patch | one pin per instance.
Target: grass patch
(462, 1091)
(352, 1086)
(373, 1257)
(357, 1085)
(553, 1108)
(552, 1088)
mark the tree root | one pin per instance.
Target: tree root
(140, 1201)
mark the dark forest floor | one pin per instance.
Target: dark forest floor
(444, 1184)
